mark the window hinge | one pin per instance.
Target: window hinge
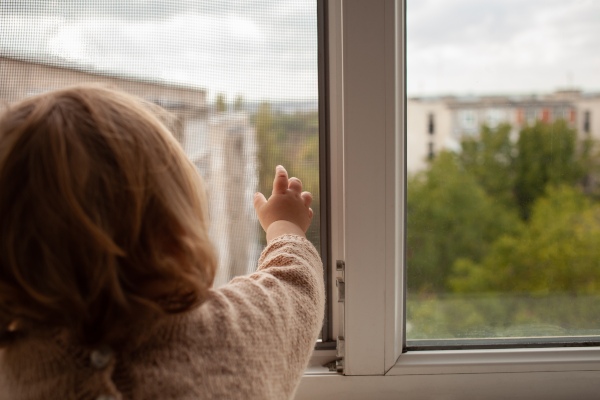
(340, 350)
(340, 346)
(336, 365)
(341, 287)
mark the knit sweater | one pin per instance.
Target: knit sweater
(251, 339)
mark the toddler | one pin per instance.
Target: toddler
(106, 265)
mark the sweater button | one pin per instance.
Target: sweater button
(100, 358)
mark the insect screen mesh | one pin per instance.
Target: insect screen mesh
(238, 77)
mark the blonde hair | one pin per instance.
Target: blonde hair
(103, 218)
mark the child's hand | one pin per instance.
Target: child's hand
(287, 210)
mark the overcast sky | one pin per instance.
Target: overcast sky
(509, 46)
(268, 48)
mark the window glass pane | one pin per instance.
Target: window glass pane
(239, 78)
(503, 161)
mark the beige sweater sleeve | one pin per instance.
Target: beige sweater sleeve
(284, 300)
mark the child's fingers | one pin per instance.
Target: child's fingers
(259, 200)
(307, 197)
(280, 183)
(295, 184)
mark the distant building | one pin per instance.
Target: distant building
(231, 164)
(223, 147)
(436, 124)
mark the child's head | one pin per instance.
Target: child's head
(102, 217)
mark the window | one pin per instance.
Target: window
(367, 193)
(495, 116)
(586, 122)
(467, 120)
(240, 81)
(430, 124)
(497, 229)
(366, 69)
(430, 151)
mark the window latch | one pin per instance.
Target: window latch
(341, 287)
(340, 266)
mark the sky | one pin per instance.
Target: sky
(502, 47)
(267, 49)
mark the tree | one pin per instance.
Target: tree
(546, 154)
(293, 141)
(490, 159)
(449, 216)
(220, 103)
(238, 104)
(269, 150)
(305, 164)
(556, 252)
(590, 161)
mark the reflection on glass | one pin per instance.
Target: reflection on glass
(238, 78)
(503, 160)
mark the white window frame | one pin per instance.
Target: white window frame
(367, 140)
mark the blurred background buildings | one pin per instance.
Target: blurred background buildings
(440, 123)
(222, 145)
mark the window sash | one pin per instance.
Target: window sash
(367, 125)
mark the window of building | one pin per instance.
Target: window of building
(546, 115)
(430, 124)
(495, 116)
(468, 123)
(587, 121)
(531, 115)
(572, 115)
(430, 151)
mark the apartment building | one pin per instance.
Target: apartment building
(439, 123)
(223, 146)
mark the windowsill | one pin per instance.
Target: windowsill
(531, 374)
(319, 359)
(497, 361)
(478, 361)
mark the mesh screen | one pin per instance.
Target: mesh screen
(239, 78)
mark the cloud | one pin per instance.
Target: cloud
(470, 46)
(268, 48)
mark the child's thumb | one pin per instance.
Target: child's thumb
(259, 200)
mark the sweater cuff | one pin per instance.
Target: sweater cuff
(290, 241)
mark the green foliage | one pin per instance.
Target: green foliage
(238, 104)
(547, 155)
(292, 141)
(556, 252)
(475, 269)
(220, 103)
(496, 315)
(590, 161)
(305, 164)
(270, 151)
(490, 159)
(449, 216)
